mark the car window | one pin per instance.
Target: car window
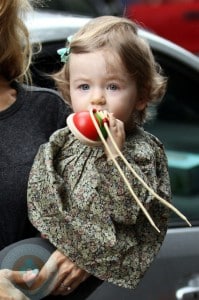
(177, 125)
(86, 7)
(71, 6)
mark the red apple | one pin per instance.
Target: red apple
(84, 124)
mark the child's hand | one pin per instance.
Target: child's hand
(116, 128)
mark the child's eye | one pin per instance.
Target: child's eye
(112, 87)
(84, 86)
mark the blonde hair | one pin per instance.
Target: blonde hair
(15, 47)
(120, 35)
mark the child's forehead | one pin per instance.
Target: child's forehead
(113, 61)
(105, 56)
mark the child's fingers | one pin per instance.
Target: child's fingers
(112, 121)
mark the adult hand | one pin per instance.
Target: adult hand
(66, 275)
(8, 278)
(70, 275)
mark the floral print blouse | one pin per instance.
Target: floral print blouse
(78, 200)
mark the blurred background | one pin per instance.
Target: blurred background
(176, 20)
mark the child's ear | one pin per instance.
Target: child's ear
(141, 104)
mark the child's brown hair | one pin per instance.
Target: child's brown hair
(120, 36)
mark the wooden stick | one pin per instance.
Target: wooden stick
(163, 201)
(121, 172)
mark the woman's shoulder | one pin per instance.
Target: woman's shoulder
(43, 104)
(41, 93)
(44, 98)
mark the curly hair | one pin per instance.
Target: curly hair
(121, 36)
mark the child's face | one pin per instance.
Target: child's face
(95, 84)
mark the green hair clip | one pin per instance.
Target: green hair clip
(64, 52)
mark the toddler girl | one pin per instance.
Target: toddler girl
(76, 197)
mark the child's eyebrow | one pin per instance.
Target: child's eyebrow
(80, 79)
(116, 78)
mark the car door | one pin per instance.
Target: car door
(175, 20)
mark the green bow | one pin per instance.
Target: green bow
(64, 52)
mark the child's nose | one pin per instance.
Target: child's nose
(98, 100)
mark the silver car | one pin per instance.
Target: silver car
(174, 274)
